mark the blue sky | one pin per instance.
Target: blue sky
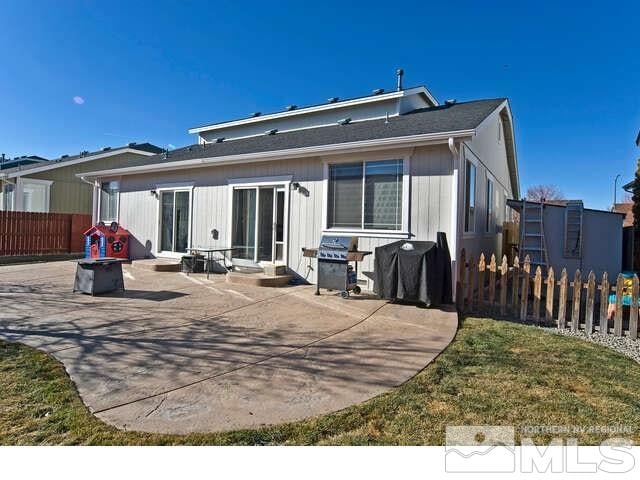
(571, 72)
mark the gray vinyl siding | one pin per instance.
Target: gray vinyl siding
(430, 203)
(329, 117)
(490, 157)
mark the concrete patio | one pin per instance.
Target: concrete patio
(177, 353)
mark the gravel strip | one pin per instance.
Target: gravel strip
(623, 345)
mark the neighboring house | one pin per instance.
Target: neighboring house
(52, 186)
(576, 237)
(382, 167)
(7, 163)
(627, 210)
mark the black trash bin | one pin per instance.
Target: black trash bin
(99, 275)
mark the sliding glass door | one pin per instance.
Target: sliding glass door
(174, 221)
(258, 228)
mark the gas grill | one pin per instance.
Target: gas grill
(335, 272)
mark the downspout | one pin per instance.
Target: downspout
(453, 240)
(94, 202)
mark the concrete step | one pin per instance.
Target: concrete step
(259, 279)
(157, 265)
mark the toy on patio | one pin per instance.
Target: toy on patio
(626, 295)
(102, 241)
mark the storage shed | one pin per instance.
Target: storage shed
(570, 236)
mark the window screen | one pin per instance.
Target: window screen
(470, 198)
(383, 195)
(365, 195)
(489, 216)
(345, 196)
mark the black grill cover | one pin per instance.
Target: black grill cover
(419, 275)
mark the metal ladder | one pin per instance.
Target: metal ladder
(532, 241)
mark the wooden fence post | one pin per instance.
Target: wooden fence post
(473, 267)
(492, 281)
(482, 266)
(551, 288)
(537, 294)
(617, 321)
(633, 315)
(591, 294)
(577, 290)
(460, 284)
(604, 304)
(504, 271)
(515, 282)
(524, 299)
(562, 299)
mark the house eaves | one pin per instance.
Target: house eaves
(333, 149)
(318, 108)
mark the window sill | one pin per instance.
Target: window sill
(368, 233)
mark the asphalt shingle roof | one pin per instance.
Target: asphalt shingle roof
(444, 118)
(145, 147)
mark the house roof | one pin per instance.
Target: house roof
(65, 160)
(445, 118)
(423, 125)
(330, 105)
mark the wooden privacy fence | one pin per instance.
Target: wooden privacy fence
(576, 302)
(27, 233)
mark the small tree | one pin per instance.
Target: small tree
(636, 219)
(538, 193)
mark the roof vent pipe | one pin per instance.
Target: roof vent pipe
(399, 74)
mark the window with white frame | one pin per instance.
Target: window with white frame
(35, 195)
(7, 197)
(109, 192)
(470, 197)
(365, 195)
(489, 220)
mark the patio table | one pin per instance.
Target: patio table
(210, 251)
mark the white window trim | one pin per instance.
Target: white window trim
(469, 233)
(18, 192)
(255, 182)
(177, 187)
(404, 232)
(99, 202)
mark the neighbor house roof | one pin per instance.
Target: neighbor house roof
(66, 160)
(20, 161)
(433, 123)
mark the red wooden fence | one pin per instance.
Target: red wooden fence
(26, 233)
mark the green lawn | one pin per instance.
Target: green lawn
(495, 373)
